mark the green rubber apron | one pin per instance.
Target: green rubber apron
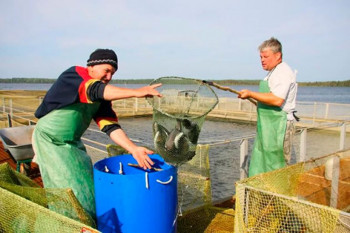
(268, 152)
(62, 156)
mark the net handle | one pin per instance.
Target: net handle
(227, 89)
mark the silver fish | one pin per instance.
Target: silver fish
(178, 145)
(160, 135)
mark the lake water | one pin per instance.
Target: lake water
(305, 94)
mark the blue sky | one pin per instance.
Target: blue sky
(188, 38)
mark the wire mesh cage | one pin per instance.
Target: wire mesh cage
(309, 196)
(178, 116)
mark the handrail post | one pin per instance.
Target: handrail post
(243, 166)
(3, 104)
(11, 110)
(314, 114)
(40, 98)
(342, 136)
(136, 104)
(9, 119)
(303, 136)
(335, 182)
(326, 111)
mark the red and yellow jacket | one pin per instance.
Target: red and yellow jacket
(76, 86)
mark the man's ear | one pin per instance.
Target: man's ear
(279, 55)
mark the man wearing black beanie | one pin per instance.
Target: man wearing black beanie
(103, 56)
(79, 95)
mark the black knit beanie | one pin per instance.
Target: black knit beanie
(103, 56)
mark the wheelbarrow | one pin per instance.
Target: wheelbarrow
(17, 142)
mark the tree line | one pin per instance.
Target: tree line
(181, 80)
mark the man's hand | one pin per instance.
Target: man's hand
(148, 91)
(244, 94)
(142, 158)
(265, 98)
(138, 152)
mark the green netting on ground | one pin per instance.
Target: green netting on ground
(178, 116)
(311, 196)
(26, 207)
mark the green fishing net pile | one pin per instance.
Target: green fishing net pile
(26, 207)
(178, 116)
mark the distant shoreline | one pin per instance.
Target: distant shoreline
(345, 83)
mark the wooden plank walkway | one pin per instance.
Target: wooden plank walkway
(33, 173)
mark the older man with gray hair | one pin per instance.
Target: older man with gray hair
(276, 107)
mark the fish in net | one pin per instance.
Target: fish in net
(178, 116)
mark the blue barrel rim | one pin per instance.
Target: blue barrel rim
(99, 165)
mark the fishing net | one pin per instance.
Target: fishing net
(178, 116)
(26, 207)
(311, 196)
(196, 210)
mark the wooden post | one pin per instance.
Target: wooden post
(11, 110)
(327, 109)
(314, 114)
(40, 99)
(303, 137)
(136, 104)
(243, 159)
(239, 104)
(3, 105)
(342, 136)
(9, 120)
(335, 183)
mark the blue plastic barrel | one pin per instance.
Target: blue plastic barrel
(130, 199)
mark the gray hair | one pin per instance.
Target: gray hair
(273, 44)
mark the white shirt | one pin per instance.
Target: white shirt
(282, 83)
